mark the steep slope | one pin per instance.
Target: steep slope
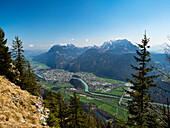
(18, 108)
(60, 55)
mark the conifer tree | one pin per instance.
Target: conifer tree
(100, 123)
(51, 103)
(78, 118)
(139, 107)
(32, 85)
(109, 125)
(25, 79)
(63, 110)
(5, 58)
(91, 119)
(19, 62)
(52, 121)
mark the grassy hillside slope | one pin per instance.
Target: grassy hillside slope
(18, 108)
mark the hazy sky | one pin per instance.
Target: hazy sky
(43, 23)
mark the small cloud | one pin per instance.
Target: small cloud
(31, 45)
(87, 40)
(44, 45)
(72, 39)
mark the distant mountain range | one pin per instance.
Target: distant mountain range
(111, 60)
(60, 55)
(32, 53)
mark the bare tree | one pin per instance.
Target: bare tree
(167, 50)
(163, 111)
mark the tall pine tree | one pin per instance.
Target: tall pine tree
(92, 123)
(78, 118)
(100, 123)
(63, 110)
(5, 58)
(19, 62)
(139, 107)
(51, 103)
(32, 85)
(25, 74)
(52, 121)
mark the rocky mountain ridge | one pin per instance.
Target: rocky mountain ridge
(119, 46)
(110, 60)
(59, 55)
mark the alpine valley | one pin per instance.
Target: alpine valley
(110, 60)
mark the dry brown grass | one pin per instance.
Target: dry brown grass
(13, 110)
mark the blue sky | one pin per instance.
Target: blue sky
(43, 23)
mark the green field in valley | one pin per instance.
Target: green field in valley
(109, 105)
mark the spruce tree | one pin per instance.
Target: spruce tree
(77, 118)
(51, 103)
(32, 85)
(52, 121)
(91, 119)
(100, 123)
(109, 125)
(19, 62)
(63, 110)
(25, 74)
(140, 106)
(5, 58)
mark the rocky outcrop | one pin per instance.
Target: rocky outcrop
(19, 109)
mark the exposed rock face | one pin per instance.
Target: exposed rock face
(60, 55)
(18, 108)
